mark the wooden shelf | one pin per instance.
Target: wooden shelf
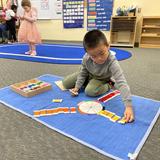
(150, 33)
(122, 45)
(127, 17)
(123, 31)
(151, 17)
(151, 26)
(149, 46)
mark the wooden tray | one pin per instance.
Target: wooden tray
(31, 87)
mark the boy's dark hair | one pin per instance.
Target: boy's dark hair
(13, 7)
(26, 3)
(93, 38)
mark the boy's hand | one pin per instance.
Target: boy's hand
(129, 114)
(74, 91)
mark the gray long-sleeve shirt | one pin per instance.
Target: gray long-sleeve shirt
(105, 71)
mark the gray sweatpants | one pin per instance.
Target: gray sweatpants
(93, 87)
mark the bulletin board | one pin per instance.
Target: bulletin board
(73, 13)
(47, 9)
(99, 14)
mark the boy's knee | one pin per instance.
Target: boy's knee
(66, 83)
(89, 91)
(93, 91)
(70, 80)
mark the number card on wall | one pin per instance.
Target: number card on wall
(73, 13)
(99, 14)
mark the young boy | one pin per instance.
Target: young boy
(11, 23)
(98, 66)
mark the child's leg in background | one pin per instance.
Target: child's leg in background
(96, 88)
(33, 49)
(10, 29)
(14, 35)
(30, 49)
(9, 37)
(1, 34)
(9, 33)
(5, 33)
(70, 81)
(13, 31)
(5, 36)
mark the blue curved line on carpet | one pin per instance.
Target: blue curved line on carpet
(53, 53)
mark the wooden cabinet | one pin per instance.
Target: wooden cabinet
(150, 33)
(123, 30)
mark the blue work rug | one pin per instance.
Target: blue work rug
(111, 139)
(53, 53)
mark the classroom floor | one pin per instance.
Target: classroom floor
(22, 138)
